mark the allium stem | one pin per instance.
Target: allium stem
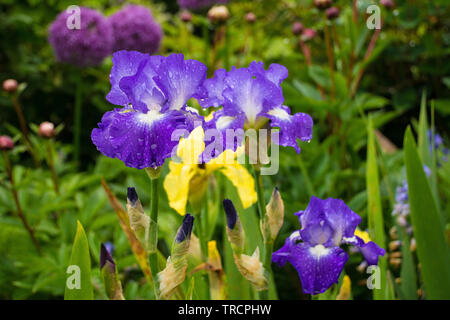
(23, 127)
(51, 165)
(19, 207)
(153, 245)
(330, 55)
(77, 118)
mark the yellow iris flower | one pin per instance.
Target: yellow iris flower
(188, 179)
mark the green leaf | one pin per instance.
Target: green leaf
(78, 282)
(432, 249)
(374, 210)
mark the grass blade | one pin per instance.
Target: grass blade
(432, 249)
(374, 210)
(79, 283)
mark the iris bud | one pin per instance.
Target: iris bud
(175, 271)
(275, 216)
(111, 280)
(139, 221)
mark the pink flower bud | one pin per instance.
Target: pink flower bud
(308, 34)
(297, 28)
(322, 4)
(388, 4)
(185, 16)
(332, 13)
(6, 143)
(47, 130)
(250, 17)
(10, 85)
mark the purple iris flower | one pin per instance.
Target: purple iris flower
(153, 92)
(251, 97)
(315, 250)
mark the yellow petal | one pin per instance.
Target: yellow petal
(243, 181)
(346, 288)
(363, 235)
(190, 149)
(176, 184)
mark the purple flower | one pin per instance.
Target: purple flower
(315, 250)
(135, 29)
(199, 4)
(250, 98)
(87, 46)
(153, 91)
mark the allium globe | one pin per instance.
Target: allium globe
(86, 46)
(135, 29)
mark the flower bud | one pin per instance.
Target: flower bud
(275, 217)
(252, 269)
(250, 17)
(139, 221)
(216, 274)
(111, 280)
(10, 85)
(186, 16)
(234, 229)
(218, 14)
(175, 271)
(322, 4)
(297, 28)
(6, 143)
(332, 13)
(388, 4)
(184, 232)
(412, 245)
(308, 34)
(47, 130)
(394, 245)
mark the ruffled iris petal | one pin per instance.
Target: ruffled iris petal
(180, 79)
(125, 64)
(141, 89)
(276, 72)
(281, 256)
(213, 88)
(292, 127)
(252, 95)
(140, 140)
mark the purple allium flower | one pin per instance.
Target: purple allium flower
(199, 4)
(87, 46)
(153, 91)
(135, 29)
(315, 250)
(250, 98)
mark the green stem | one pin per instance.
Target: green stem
(153, 241)
(268, 245)
(77, 118)
(51, 165)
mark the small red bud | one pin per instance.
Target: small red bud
(332, 13)
(10, 85)
(297, 28)
(185, 16)
(6, 143)
(250, 17)
(308, 34)
(322, 4)
(47, 130)
(388, 4)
